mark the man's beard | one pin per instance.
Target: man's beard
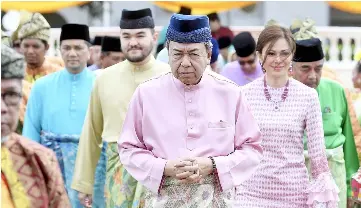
(144, 54)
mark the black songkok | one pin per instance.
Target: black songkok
(97, 40)
(308, 50)
(244, 44)
(111, 44)
(137, 19)
(74, 31)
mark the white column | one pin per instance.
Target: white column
(106, 13)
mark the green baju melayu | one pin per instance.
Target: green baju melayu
(339, 139)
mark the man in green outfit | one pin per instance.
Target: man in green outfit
(339, 139)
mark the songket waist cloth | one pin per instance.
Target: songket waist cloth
(121, 189)
(66, 147)
(198, 195)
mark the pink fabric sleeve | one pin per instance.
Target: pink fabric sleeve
(239, 166)
(323, 191)
(137, 160)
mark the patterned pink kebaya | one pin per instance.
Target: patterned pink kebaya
(281, 179)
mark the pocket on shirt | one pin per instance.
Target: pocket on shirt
(331, 123)
(219, 125)
(222, 132)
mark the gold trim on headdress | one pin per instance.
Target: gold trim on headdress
(24, 17)
(36, 27)
(271, 22)
(306, 31)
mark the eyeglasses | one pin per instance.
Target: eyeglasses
(11, 98)
(250, 62)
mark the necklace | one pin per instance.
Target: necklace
(268, 95)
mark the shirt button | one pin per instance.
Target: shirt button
(191, 127)
(191, 114)
(189, 101)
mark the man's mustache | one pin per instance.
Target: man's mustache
(134, 48)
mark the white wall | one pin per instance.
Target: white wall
(286, 11)
(282, 11)
(74, 15)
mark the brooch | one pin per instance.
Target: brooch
(327, 110)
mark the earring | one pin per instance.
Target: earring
(263, 69)
(261, 64)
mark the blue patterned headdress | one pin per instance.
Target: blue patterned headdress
(189, 29)
(215, 51)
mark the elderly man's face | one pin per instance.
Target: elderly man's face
(188, 61)
(137, 44)
(309, 73)
(10, 102)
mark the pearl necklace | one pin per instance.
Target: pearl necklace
(268, 95)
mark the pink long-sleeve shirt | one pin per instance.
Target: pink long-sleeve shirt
(168, 120)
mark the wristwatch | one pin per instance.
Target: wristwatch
(213, 164)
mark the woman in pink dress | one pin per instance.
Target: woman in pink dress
(285, 110)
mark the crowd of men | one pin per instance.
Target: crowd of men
(111, 124)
